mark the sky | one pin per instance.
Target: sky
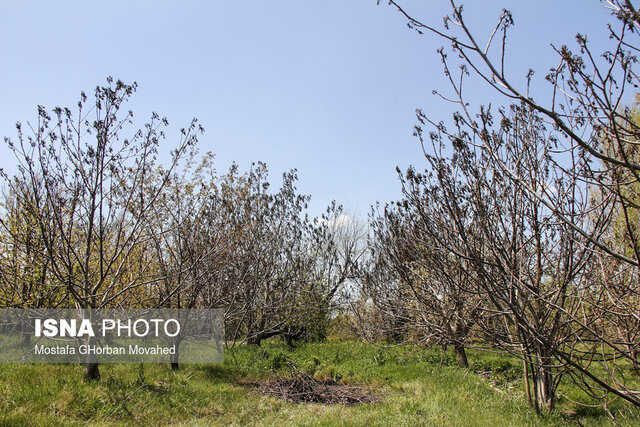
(327, 87)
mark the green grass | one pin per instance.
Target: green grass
(419, 388)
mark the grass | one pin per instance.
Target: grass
(420, 388)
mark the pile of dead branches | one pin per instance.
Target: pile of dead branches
(303, 388)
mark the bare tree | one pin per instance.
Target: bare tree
(594, 137)
(412, 279)
(89, 184)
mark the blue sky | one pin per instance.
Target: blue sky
(328, 87)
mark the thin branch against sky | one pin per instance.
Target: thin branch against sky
(329, 87)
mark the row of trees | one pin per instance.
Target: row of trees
(93, 220)
(472, 251)
(523, 233)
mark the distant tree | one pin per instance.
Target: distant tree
(25, 271)
(287, 268)
(432, 297)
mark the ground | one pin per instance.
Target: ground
(417, 387)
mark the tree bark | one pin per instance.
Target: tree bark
(175, 364)
(90, 368)
(91, 371)
(461, 356)
(542, 376)
(544, 386)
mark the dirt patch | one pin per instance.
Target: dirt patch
(306, 389)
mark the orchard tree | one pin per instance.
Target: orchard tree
(25, 269)
(594, 139)
(432, 299)
(88, 175)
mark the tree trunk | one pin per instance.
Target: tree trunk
(542, 377)
(90, 368)
(461, 355)
(526, 378)
(26, 340)
(255, 340)
(91, 371)
(289, 339)
(175, 364)
(258, 337)
(544, 387)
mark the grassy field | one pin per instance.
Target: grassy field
(419, 387)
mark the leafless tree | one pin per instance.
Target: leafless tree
(89, 184)
(594, 137)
